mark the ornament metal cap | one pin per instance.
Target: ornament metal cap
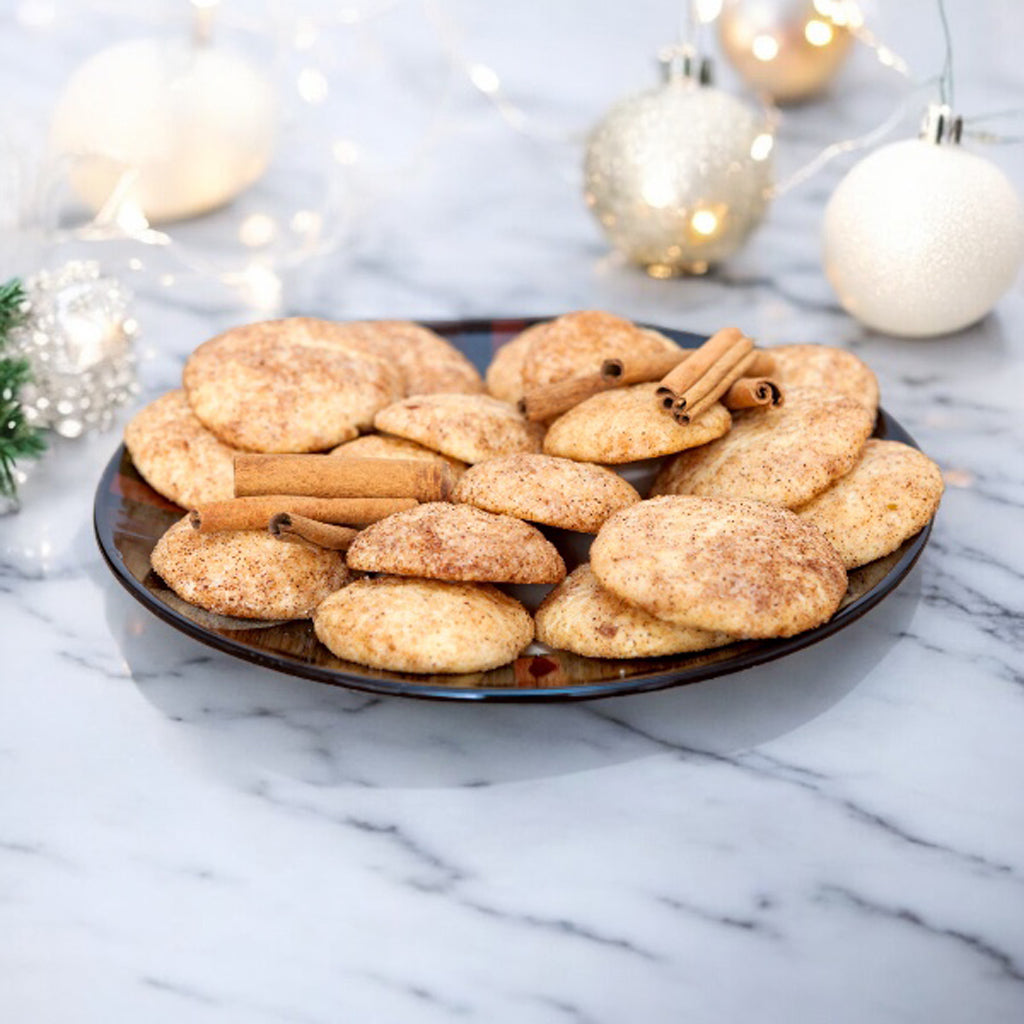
(683, 63)
(941, 125)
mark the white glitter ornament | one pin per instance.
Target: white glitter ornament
(922, 238)
(678, 176)
(78, 340)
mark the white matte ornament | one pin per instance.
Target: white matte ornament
(182, 127)
(678, 176)
(922, 239)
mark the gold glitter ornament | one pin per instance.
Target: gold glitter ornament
(678, 176)
(922, 237)
(788, 49)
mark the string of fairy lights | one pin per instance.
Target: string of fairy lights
(921, 237)
(784, 51)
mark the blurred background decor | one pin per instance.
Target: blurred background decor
(67, 362)
(678, 176)
(788, 50)
(247, 158)
(922, 237)
(165, 127)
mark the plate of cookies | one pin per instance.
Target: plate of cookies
(515, 510)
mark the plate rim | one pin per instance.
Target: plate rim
(760, 653)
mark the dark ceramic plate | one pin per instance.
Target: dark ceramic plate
(130, 517)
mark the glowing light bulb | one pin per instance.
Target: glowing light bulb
(312, 85)
(818, 33)
(765, 47)
(845, 13)
(704, 222)
(761, 147)
(708, 10)
(484, 78)
(657, 190)
(258, 229)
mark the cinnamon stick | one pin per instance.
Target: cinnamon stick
(677, 382)
(645, 368)
(254, 512)
(763, 364)
(325, 535)
(721, 368)
(547, 401)
(639, 369)
(325, 476)
(752, 392)
(711, 393)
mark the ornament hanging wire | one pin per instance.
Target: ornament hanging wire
(946, 80)
(945, 83)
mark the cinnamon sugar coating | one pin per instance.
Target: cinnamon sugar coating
(420, 625)
(626, 425)
(439, 540)
(746, 568)
(293, 385)
(504, 375)
(784, 455)
(887, 497)
(570, 345)
(824, 366)
(578, 343)
(544, 489)
(581, 616)
(176, 455)
(428, 362)
(384, 446)
(247, 573)
(470, 428)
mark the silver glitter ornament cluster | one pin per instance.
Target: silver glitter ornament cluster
(79, 340)
(678, 176)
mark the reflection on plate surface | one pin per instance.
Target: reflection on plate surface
(130, 518)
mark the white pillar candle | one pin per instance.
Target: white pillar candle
(182, 127)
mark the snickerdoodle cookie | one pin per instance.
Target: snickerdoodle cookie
(384, 446)
(545, 489)
(421, 625)
(504, 375)
(176, 455)
(470, 428)
(443, 541)
(581, 616)
(824, 366)
(428, 362)
(293, 385)
(247, 573)
(887, 497)
(784, 455)
(627, 425)
(578, 343)
(746, 568)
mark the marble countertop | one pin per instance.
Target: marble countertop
(837, 836)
